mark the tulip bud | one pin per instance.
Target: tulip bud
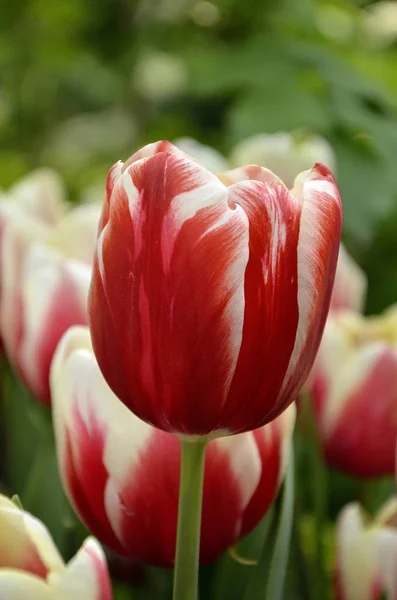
(45, 274)
(354, 390)
(31, 567)
(208, 301)
(350, 285)
(122, 475)
(367, 554)
(287, 154)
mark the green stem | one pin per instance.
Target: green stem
(189, 520)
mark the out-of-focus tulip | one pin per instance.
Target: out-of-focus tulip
(45, 275)
(355, 392)
(350, 285)
(39, 194)
(31, 567)
(206, 156)
(208, 301)
(159, 76)
(122, 475)
(287, 154)
(379, 22)
(367, 554)
(38, 199)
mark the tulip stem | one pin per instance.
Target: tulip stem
(189, 520)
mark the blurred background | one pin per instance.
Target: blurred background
(84, 84)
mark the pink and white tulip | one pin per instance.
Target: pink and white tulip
(208, 300)
(122, 475)
(31, 567)
(354, 391)
(367, 554)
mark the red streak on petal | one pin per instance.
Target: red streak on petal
(105, 590)
(86, 478)
(66, 309)
(150, 503)
(271, 306)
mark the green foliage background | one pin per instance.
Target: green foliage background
(75, 94)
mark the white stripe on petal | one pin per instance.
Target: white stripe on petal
(313, 236)
(245, 462)
(386, 553)
(42, 276)
(208, 192)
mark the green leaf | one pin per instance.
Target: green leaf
(267, 581)
(17, 501)
(231, 578)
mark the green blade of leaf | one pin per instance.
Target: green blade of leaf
(268, 579)
(231, 578)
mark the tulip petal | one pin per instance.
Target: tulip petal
(75, 235)
(274, 445)
(386, 550)
(356, 555)
(350, 285)
(174, 219)
(15, 585)
(86, 575)
(40, 194)
(83, 407)
(271, 306)
(25, 542)
(366, 385)
(250, 172)
(318, 247)
(51, 298)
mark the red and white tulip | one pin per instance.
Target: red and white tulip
(355, 393)
(31, 567)
(44, 274)
(367, 554)
(208, 301)
(122, 475)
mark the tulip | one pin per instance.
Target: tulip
(122, 475)
(367, 554)
(31, 567)
(379, 24)
(206, 156)
(38, 199)
(40, 194)
(350, 284)
(287, 154)
(354, 391)
(208, 301)
(45, 275)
